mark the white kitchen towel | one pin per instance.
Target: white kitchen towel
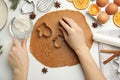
(109, 69)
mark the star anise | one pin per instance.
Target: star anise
(57, 4)
(32, 16)
(94, 25)
(44, 70)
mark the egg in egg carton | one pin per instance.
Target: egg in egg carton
(104, 13)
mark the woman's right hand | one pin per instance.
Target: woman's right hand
(73, 34)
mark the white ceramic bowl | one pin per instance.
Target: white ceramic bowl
(3, 14)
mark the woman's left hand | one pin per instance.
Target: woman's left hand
(18, 58)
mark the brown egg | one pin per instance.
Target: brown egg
(117, 2)
(111, 8)
(103, 17)
(102, 3)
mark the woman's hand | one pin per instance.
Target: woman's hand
(18, 59)
(73, 34)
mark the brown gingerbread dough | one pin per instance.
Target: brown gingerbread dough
(53, 51)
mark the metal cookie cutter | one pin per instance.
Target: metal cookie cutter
(118, 62)
(44, 5)
(28, 7)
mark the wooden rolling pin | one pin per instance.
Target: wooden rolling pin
(106, 39)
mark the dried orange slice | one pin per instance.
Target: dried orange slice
(93, 9)
(116, 19)
(81, 4)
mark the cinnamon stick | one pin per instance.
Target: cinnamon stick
(109, 59)
(115, 52)
(108, 51)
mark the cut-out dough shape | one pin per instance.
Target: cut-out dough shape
(58, 42)
(44, 30)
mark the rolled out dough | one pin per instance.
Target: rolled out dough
(43, 49)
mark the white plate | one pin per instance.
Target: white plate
(3, 14)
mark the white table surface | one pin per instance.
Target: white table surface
(35, 66)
